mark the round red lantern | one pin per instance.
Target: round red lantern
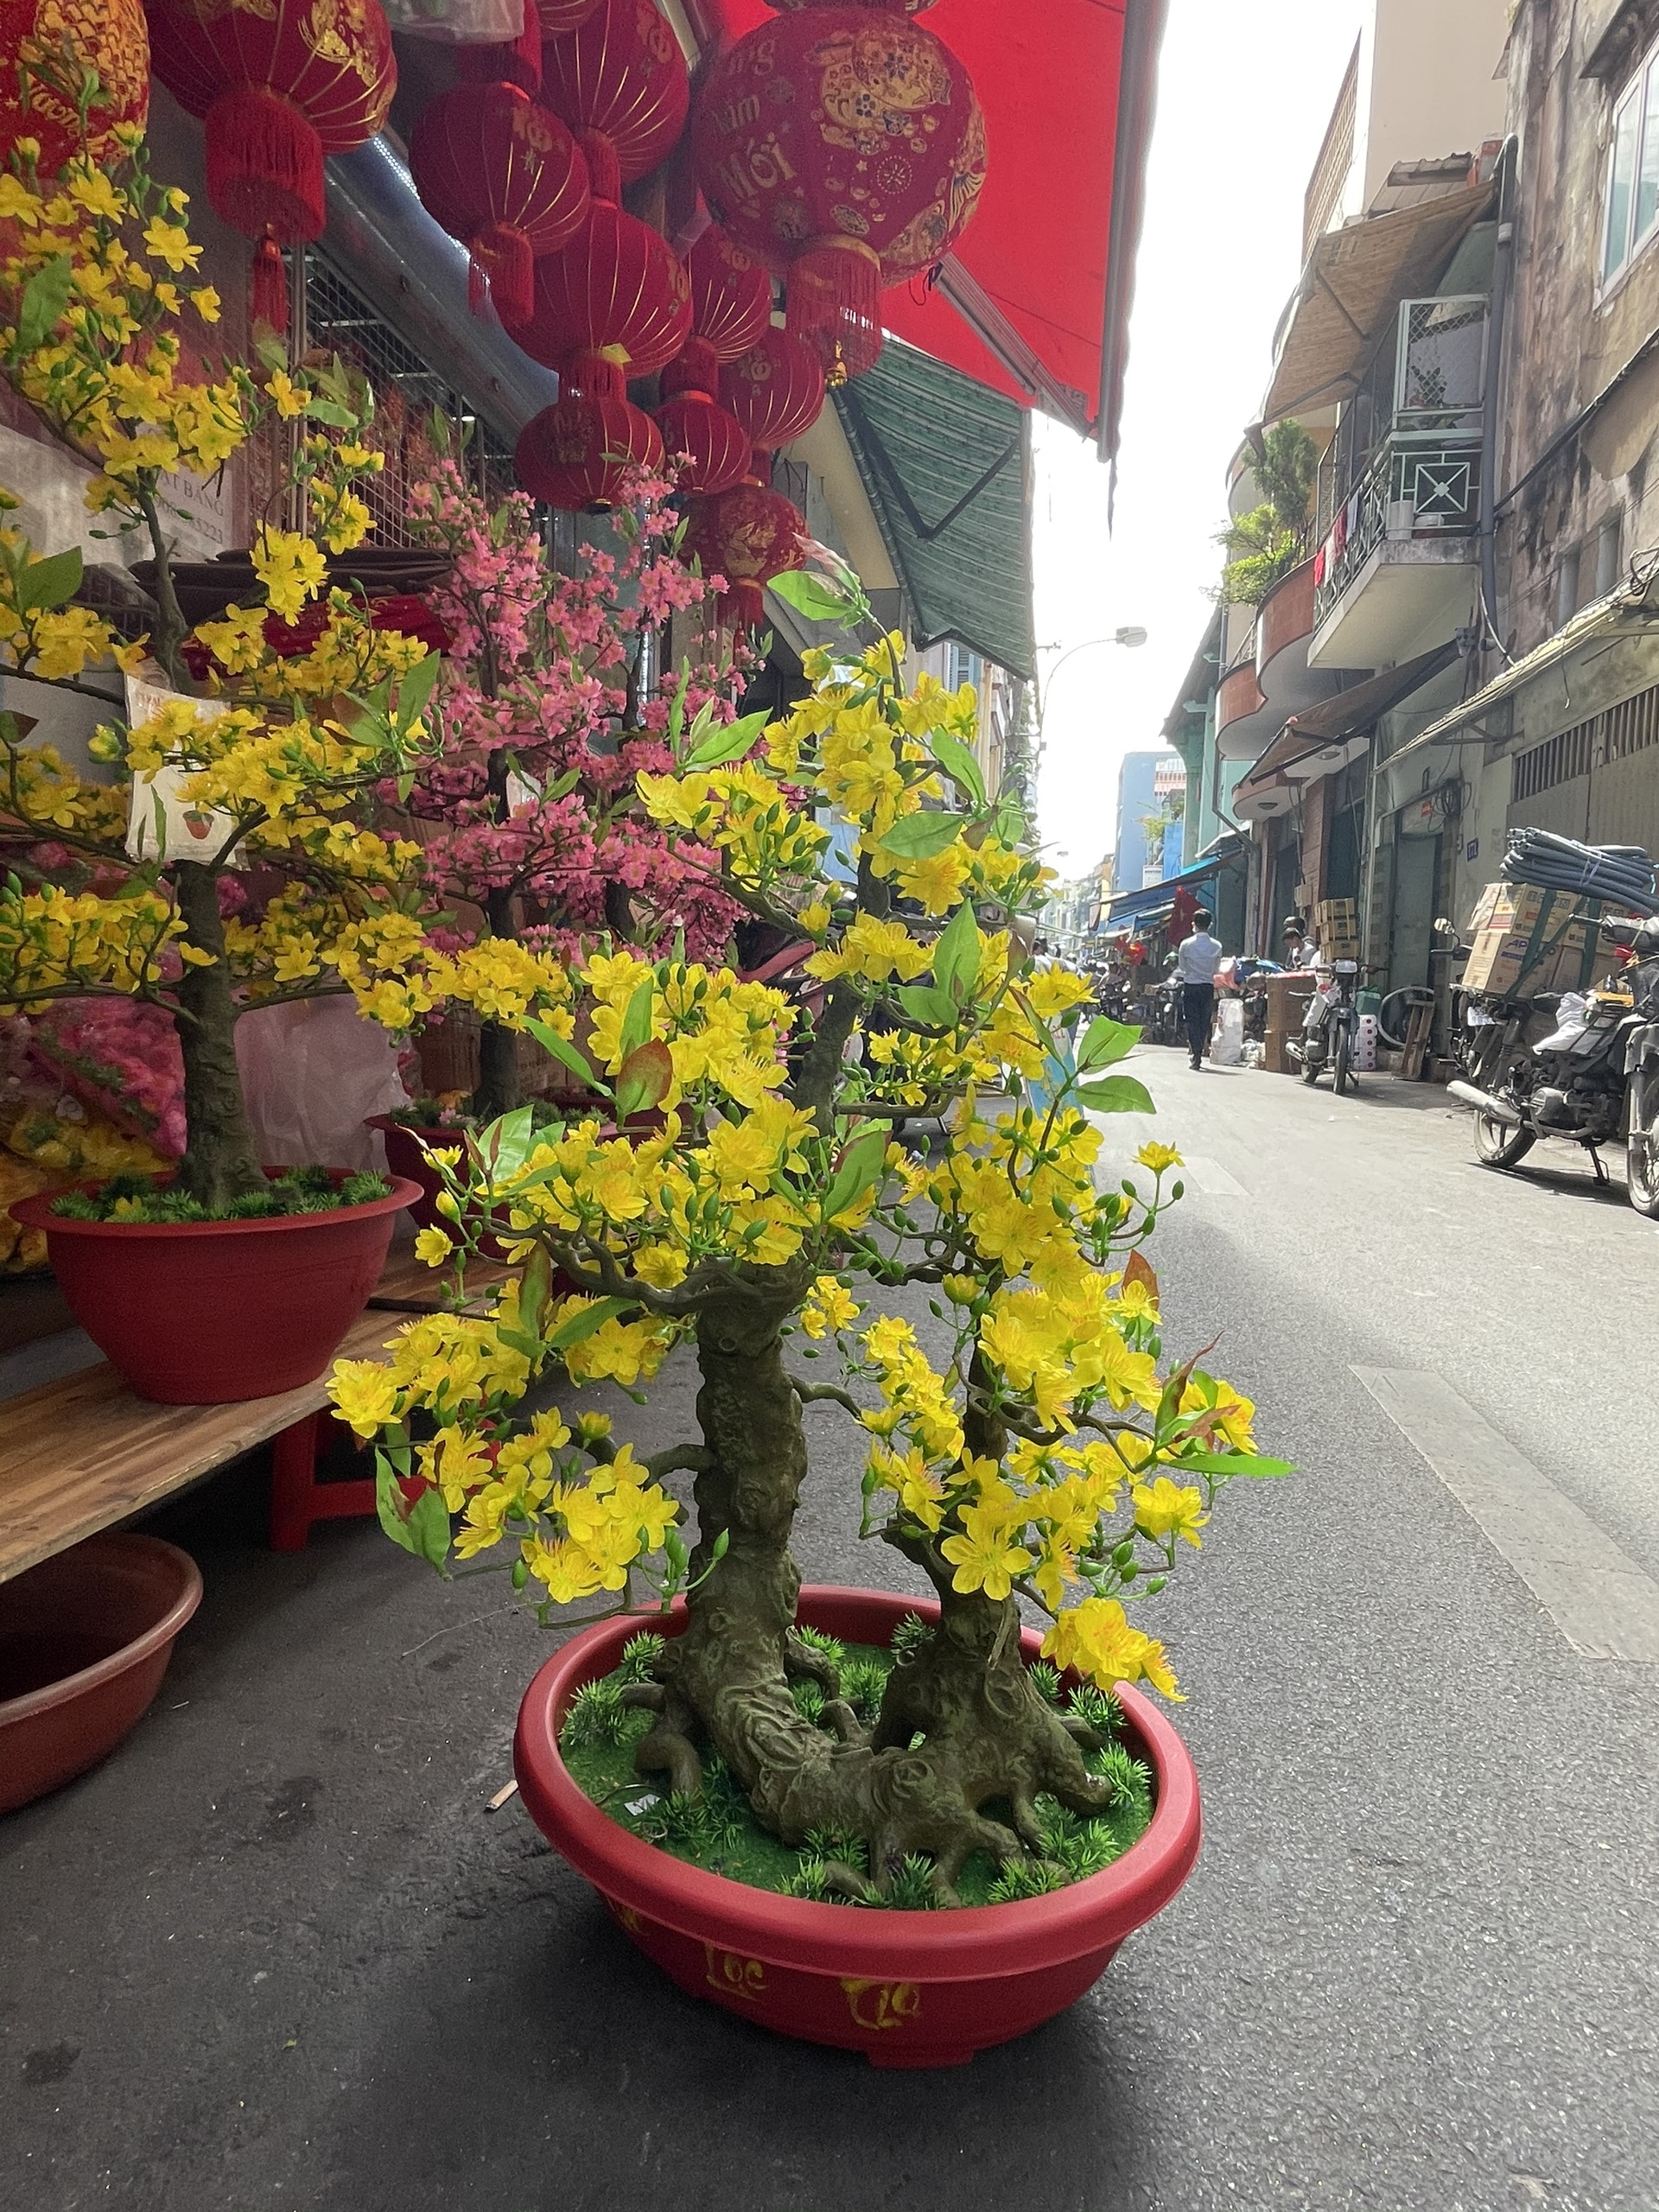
(731, 295)
(622, 73)
(775, 390)
(110, 38)
(577, 452)
(715, 445)
(278, 90)
(843, 147)
(617, 288)
(503, 175)
(748, 536)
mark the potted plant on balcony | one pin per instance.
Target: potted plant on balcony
(867, 1822)
(525, 805)
(224, 863)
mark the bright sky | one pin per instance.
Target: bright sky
(1243, 98)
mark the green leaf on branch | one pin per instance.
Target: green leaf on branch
(566, 1054)
(45, 297)
(1118, 1094)
(508, 1142)
(52, 582)
(918, 836)
(861, 1169)
(1232, 1462)
(636, 1022)
(331, 412)
(727, 741)
(421, 1527)
(1105, 1041)
(416, 688)
(934, 1009)
(956, 955)
(644, 1078)
(819, 600)
(959, 764)
(677, 709)
(589, 1322)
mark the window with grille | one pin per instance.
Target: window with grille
(407, 396)
(1630, 726)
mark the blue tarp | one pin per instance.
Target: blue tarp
(1199, 879)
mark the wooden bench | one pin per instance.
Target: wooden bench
(81, 1454)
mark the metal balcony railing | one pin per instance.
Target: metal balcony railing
(1420, 484)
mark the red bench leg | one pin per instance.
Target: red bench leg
(297, 1499)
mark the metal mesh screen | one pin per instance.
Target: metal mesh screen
(1442, 363)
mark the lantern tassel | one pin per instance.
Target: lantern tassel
(268, 286)
(503, 271)
(835, 304)
(265, 166)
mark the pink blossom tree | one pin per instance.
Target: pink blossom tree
(546, 715)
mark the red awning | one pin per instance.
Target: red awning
(1035, 301)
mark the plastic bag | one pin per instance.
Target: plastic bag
(1227, 1047)
(458, 22)
(312, 1073)
(1570, 1024)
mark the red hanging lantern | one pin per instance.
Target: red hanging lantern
(577, 452)
(731, 295)
(277, 90)
(622, 73)
(748, 536)
(617, 288)
(842, 147)
(775, 390)
(110, 38)
(516, 61)
(715, 444)
(504, 175)
(557, 17)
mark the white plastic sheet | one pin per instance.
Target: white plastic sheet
(312, 1073)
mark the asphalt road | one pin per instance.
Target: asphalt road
(277, 1952)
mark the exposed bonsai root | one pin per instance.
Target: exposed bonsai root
(804, 1663)
(644, 1697)
(848, 1728)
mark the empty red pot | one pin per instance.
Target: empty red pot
(85, 1639)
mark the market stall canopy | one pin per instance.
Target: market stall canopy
(1155, 900)
(1350, 291)
(1346, 714)
(1035, 300)
(943, 462)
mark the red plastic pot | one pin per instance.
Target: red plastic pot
(85, 1639)
(906, 1988)
(208, 1312)
(406, 1159)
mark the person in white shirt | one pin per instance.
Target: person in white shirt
(1197, 959)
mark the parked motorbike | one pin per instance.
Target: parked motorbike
(1163, 1020)
(1331, 1026)
(1593, 1078)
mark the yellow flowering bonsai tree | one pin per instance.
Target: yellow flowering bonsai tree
(227, 863)
(1029, 1441)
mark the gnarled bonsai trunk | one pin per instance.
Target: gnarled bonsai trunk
(500, 1089)
(220, 1160)
(986, 1733)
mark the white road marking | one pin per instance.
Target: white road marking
(1209, 1178)
(1601, 1601)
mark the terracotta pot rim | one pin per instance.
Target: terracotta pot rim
(40, 1216)
(964, 1943)
(67, 1688)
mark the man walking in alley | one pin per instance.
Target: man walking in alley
(1197, 959)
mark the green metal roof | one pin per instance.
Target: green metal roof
(946, 462)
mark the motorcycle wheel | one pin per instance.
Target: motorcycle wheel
(1641, 1148)
(1342, 1067)
(1497, 1144)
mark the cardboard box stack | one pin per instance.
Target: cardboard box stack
(1287, 998)
(1528, 940)
(1336, 925)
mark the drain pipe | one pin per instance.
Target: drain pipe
(1502, 266)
